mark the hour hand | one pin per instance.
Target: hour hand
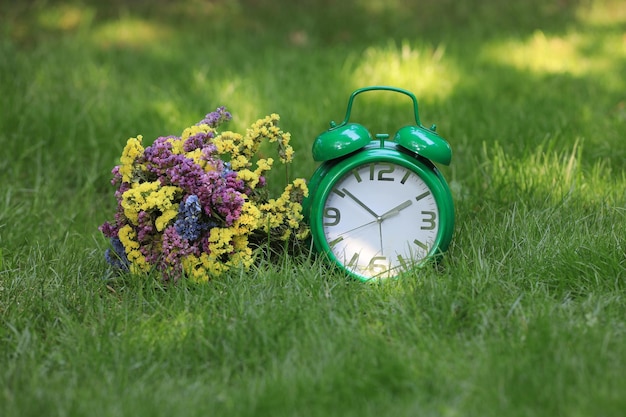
(360, 203)
(396, 209)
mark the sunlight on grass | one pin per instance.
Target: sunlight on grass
(243, 97)
(607, 12)
(164, 331)
(130, 32)
(424, 71)
(64, 17)
(575, 53)
(550, 176)
(530, 293)
(239, 94)
(597, 49)
(170, 112)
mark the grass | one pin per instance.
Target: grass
(525, 317)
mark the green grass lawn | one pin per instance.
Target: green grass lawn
(525, 316)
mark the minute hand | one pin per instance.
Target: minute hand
(360, 203)
(396, 209)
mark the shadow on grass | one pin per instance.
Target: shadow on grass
(165, 64)
(323, 21)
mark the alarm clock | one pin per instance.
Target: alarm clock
(377, 205)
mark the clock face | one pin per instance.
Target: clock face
(380, 218)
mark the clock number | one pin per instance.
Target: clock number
(389, 170)
(421, 245)
(403, 262)
(332, 243)
(334, 216)
(423, 195)
(430, 220)
(386, 169)
(378, 265)
(354, 261)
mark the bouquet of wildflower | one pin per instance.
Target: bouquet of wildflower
(196, 205)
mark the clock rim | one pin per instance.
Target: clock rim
(329, 173)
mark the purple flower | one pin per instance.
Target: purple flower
(216, 117)
(145, 228)
(158, 157)
(218, 192)
(200, 140)
(209, 194)
(117, 177)
(228, 199)
(109, 230)
(174, 249)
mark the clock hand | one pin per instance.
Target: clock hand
(360, 203)
(379, 219)
(357, 228)
(396, 209)
(380, 235)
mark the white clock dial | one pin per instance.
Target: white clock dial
(380, 218)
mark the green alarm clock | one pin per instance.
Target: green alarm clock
(379, 206)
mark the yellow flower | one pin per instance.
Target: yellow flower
(226, 143)
(242, 258)
(263, 165)
(177, 145)
(194, 130)
(239, 162)
(149, 196)
(220, 241)
(286, 234)
(162, 221)
(248, 220)
(197, 157)
(215, 268)
(283, 215)
(251, 178)
(249, 144)
(131, 152)
(126, 235)
(137, 260)
(197, 268)
(240, 243)
(287, 154)
(303, 233)
(271, 217)
(226, 247)
(300, 184)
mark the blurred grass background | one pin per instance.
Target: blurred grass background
(525, 318)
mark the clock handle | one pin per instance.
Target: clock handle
(379, 88)
(342, 139)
